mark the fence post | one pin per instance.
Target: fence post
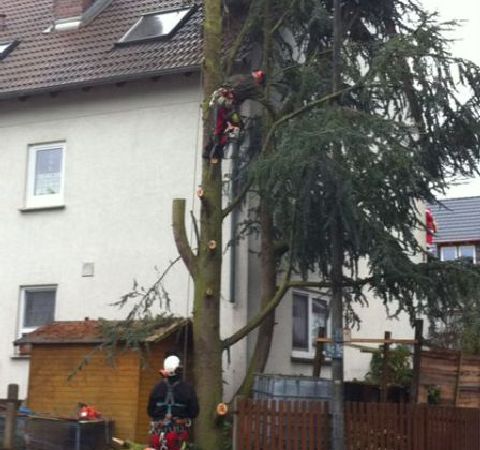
(236, 419)
(385, 374)
(11, 416)
(457, 381)
(417, 353)
(318, 358)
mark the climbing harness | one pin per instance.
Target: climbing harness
(170, 433)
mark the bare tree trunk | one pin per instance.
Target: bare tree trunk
(205, 266)
(268, 260)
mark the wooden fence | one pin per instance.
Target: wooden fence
(300, 425)
(281, 425)
(456, 375)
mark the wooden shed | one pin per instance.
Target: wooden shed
(120, 391)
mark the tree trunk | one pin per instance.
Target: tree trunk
(268, 267)
(205, 266)
(336, 230)
(268, 288)
(207, 350)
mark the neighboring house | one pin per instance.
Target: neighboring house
(458, 229)
(457, 236)
(100, 121)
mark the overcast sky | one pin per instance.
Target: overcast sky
(467, 45)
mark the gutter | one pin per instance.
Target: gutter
(95, 82)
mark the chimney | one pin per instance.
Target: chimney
(3, 21)
(68, 9)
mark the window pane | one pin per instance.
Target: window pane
(466, 252)
(319, 316)
(48, 171)
(449, 253)
(156, 25)
(39, 308)
(300, 323)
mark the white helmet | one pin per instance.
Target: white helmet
(170, 365)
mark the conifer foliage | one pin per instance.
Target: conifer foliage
(347, 148)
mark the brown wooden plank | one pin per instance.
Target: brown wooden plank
(240, 423)
(303, 425)
(248, 428)
(312, 413)
(281, 426)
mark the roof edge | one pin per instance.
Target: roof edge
(97, 82)
(457, 241)
(157, 336)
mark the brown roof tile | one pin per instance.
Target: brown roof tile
(60, 59)
(88, 332)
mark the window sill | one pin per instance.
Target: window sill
(308, 360)
(29, 209)
(20, 357)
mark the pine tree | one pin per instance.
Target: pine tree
(350, 148)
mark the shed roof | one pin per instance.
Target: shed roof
(47, 61)
(458, 219)
(90, 332)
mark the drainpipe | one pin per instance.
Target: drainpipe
(233, 221)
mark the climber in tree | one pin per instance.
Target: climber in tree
(226, 101)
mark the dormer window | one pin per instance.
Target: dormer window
(6, 48)
(159, 25)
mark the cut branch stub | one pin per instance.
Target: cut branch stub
(200, 193)
(222, 409)
(209, 292)
(212, 245)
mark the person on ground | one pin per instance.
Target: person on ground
(171, 406)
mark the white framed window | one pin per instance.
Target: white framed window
(37, 307)
(309, 313)
(454, 252)
(45, 175)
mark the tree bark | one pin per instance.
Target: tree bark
(206, 268)
(268, 286)
(336, 231)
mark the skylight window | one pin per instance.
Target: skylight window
(159, 25)
(6, 48)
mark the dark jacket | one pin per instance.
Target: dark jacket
(185, 400)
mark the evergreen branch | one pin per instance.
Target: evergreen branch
(180, 235)
(146, 295)
(282, 18)
(257, 320)
(84, 362)
(300, 111)
(237, 200)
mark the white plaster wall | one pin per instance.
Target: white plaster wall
(375, 320)
(129, 152)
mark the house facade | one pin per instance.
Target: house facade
(100, 126)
